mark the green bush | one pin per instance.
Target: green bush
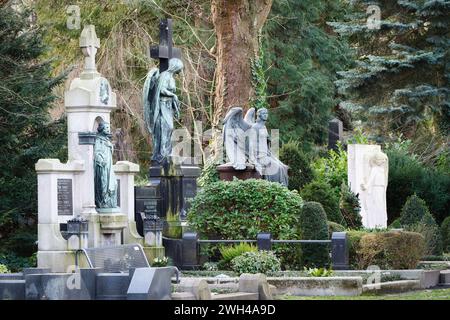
(332, 169)
(334, 227)
(230, 252)
(445, 234)
(408, 176)
(319, 272)
(300, 172)
(209, 173)
(413, 211)
(256, 262)
(320, 191)
(240, 209)
(16, 263)
(390, 250)
(160, 262)
(3, 269)
(416, 217)
(313, 226)
(350, 207)
(396, 224)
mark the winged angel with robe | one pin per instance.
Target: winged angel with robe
(247, 140)
(161, 104)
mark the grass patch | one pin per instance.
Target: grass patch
(437, 294)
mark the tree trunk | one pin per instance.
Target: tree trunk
(237, 24)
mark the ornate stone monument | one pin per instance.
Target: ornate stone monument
(368, 177)
(247, 146)
(164, 195)
(88, 186)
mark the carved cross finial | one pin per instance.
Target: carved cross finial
(89, 44)
(165, 51)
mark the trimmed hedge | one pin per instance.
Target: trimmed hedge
(391, 250)
(445, 234)
(322, 192)
(387, 249)
(313, 226)
(354, 240)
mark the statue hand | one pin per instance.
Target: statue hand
(363, 187)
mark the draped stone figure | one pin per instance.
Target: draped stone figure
(161, 105)
(104, 179)
(248, 141)
(235, 131)
(373, 195)
(268, 166)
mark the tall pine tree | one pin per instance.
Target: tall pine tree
(26, 131)
(302, 58)
(401, 78)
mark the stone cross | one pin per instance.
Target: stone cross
(89, 44)
(165, 51)
(335, 133)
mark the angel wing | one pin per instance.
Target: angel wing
(148, 98)
(250, 116)
(234, 130)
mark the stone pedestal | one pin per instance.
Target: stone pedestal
(167, 181)
(227, 173)
(106, 229)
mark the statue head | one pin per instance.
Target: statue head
(104, 127)
(378, 159)
(175, 65)
(262, 114)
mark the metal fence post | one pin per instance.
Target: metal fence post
(339, 251)
(264, 241)
(190, 250)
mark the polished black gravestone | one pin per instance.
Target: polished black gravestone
(335, 133)
(190, 174)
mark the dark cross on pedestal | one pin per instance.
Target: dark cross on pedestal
(165, 50)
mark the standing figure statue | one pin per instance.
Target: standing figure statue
(247, 141)
(373, 194)
(104, 178)
(161, 104)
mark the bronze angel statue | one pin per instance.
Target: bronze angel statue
(247, 140)
(161, 105)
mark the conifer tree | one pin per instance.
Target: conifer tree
(401, 77)
(302, 56)
(26, 130)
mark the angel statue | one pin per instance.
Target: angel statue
(161, 104)
(239, 130)
(235, 132)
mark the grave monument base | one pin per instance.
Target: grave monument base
(60, 261)
(227, 172)
(154, 252)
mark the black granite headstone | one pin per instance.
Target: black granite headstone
(335, 133)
